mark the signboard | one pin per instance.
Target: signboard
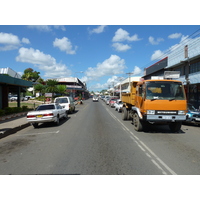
(171, 74)
(48, 94)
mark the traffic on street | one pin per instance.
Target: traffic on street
(95, 140)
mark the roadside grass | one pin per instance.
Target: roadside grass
(29, 104)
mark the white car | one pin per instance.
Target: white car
(118, 105)
(47, 113)
(67, 103)
(95, 98)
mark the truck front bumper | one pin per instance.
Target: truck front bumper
(167, 118)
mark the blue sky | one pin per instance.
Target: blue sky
(96, 54)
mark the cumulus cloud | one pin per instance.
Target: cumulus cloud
(64, 44)
(122, 35)
(175, 35)
(111, 66)
(44, 62)
(46, 28)
(121, 47)
(156, 55)
(137, 71)
(98, 30)
(8, 41)
(155, 42)
(25, 40)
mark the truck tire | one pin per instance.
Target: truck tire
(175, 126)
(124, 113)
(138, 126)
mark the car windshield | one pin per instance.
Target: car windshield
(46, 107)
(61, 100)
(164, 90)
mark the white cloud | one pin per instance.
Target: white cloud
(122, 35)
(25, 40)
(156, 55)
(8, 41)
(44, 62)
(121, 47)
(111, 66)
(137, 71)
(64, 44)
(155, 42)
(99, 29)
(46, 28)
(175, 35)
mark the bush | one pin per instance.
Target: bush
(24, 108)
(8, 110)
(2, 112)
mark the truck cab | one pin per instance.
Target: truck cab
(155, 102)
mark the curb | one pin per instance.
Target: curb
(12, 116)
(13, 130)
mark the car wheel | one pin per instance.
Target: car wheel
(57, 121)
(35, 125)
(65, 115)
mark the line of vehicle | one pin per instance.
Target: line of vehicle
(149, 153)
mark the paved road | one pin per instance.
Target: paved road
(95, 140)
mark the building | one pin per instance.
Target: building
(11, 82)
(185, 58)
(75, 87)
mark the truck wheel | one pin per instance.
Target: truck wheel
(175, 126)
(124, 113)
(137, 123)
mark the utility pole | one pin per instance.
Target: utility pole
(129, 74)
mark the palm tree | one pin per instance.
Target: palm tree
(39, 88)
(51, 87)
(61, 89)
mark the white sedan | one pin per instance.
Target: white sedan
(118, 105)
(47, 113)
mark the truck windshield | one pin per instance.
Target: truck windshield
(164, 90)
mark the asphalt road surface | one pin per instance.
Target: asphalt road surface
(95, 141)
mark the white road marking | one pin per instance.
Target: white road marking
(42, 133)
(148, 152)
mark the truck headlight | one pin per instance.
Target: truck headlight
(150, 112)
(181, 112)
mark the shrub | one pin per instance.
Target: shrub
(24, 108)
(2, 112)
(8, 110)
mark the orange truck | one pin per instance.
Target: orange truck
(155, 102)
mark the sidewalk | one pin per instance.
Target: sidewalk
(12, 125)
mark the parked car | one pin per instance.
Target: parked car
(67, 103)
(47, 113)
(118, 105)
(193, 115)
(109, 98)
(95, 98)
(14, 98)
(112, 102)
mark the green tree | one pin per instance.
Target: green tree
(51, 87)
(40, 88)
(30, 75)
(61, 89)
